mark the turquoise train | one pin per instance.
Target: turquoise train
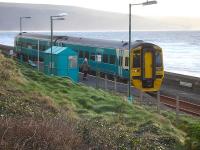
(147, 70)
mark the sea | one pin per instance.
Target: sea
(181, 49)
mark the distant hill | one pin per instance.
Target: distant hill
(84, 19)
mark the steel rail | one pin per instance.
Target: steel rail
(184, 106)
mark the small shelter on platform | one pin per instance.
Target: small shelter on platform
(64, 62)
(63, 59)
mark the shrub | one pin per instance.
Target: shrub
(193, 140)
(49, 133)
(8, 69)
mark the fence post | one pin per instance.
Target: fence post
(158, 102)
(105, 82)
(127, 89)
(115, 83)
(97, 80)
(177, 109)
(141, 97)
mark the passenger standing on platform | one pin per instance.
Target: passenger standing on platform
(85, 68)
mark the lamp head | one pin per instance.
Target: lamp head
(25, 17)
(63, 14)
(58, 18)
(149, 3)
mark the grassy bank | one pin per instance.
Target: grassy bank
(52, 108)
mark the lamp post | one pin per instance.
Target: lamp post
(58, 17)
(20, 23)
(144, 4)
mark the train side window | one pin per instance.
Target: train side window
(41, 59)
(29, 46)
(87, 54)
(18, 43)
(42, 47)
(112, 59)
(92, 56)
(120, 60)
(34, 46)
(80, 54)
(136, 60)
(105, 58)
(24, 45)
(126, 61)
(158, 59)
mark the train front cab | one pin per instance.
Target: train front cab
(147, 67)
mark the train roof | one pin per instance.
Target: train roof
(88, 41)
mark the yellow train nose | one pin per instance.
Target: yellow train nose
(147, 70)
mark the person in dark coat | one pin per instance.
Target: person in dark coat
(85, 68)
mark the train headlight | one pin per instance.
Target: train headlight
(159, 69)
(136, 70)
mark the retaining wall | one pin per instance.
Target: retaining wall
(182, 82)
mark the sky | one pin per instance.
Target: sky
(183, 8)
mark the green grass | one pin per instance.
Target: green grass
(113, 118)
(84, 100)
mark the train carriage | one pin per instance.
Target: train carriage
(147, 70)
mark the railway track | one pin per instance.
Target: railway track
(183, 106)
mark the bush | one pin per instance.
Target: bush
(101, 135)
(7, 69)
(193, 140)
(50, 133)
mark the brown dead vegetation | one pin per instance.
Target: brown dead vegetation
(28, 133)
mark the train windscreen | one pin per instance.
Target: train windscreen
(158, 59)
(136, 60)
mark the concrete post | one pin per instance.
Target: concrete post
(106, 82)
(127, 90)
(96, 79)
(158, 102)
(141, 97)
(177, 109)
(115, 83)
(99, 80)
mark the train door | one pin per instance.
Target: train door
(148, 68)
(120, 62)
(148, 65)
